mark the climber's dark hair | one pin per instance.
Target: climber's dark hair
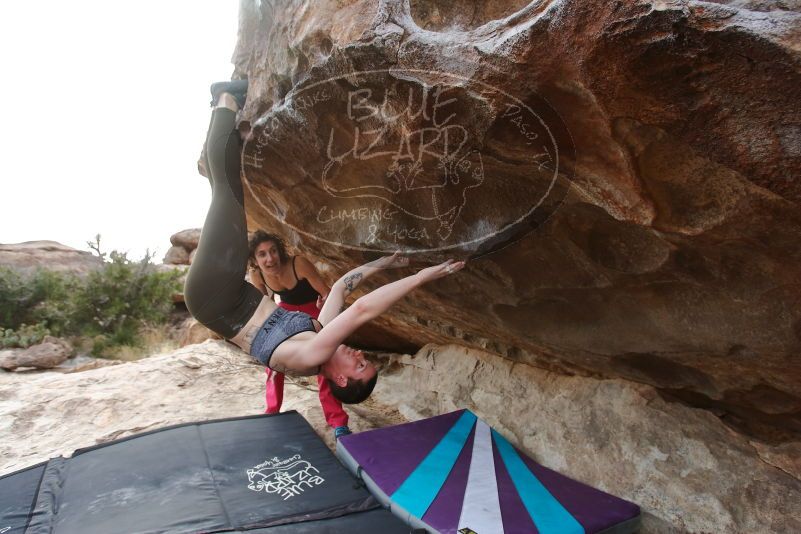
(355, 391)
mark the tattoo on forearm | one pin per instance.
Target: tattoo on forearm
(351, 281)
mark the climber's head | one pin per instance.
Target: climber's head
(350, 376)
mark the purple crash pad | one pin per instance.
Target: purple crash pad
(454, 474)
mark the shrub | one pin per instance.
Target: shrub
(35, 298)
(13, 298)
(110, 305)
(122, 297)
(24, 336)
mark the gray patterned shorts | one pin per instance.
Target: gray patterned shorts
(277, 328)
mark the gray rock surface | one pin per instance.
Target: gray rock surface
(51, 352)
(44, 414)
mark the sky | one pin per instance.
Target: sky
(105, 109)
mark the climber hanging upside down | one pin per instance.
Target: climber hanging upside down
(218, 296)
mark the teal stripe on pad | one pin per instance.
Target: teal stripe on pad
(549, 516)
(420, 488)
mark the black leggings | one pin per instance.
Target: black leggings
(216, 292)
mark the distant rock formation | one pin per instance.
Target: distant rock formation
(31, 255)
(183, 247)
(179, 256)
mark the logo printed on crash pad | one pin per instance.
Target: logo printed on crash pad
(288, 477)
(466, 530)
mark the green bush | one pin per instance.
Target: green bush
(109, 305)
(32, 299)
(24, 336)
(122, 297)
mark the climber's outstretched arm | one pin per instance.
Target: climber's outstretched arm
(346, 285)
(319, 350)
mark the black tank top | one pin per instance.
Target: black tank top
(302, 293)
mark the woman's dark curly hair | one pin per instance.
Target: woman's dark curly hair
(259, 237)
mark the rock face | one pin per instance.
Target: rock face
(176, 256)
(685, 468)
(183, 247)
(623, 173)
(31, 255)
(50, 353)
(193, 333)
(187, 239)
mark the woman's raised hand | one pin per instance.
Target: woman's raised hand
(390, 262)
(441, 270)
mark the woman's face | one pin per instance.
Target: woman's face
(351, 363)
(267, 257)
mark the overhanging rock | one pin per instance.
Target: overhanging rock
(625, 174)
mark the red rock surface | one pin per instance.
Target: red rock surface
(658, 239)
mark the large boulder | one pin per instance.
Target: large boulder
(176, 256)
(184, 244)
(187, 239)
(31, 255)
(51, 352)
(623, 173)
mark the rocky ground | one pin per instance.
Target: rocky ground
(687, 470)
(50, 413)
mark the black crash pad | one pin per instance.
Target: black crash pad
(268, 473)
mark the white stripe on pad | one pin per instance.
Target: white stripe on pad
(481, 508)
